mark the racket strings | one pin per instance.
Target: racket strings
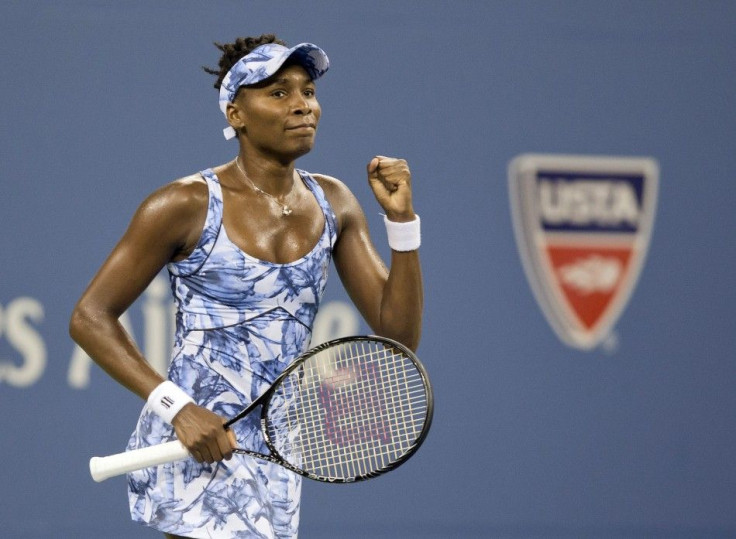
(350, 411)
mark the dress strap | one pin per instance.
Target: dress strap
(210, 231)
(327, 210)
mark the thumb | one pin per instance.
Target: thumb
(231, 437)
(373, 167)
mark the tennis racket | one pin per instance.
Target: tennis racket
(347, 410)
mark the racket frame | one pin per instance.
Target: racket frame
(264, 401)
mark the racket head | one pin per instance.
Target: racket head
(349, 409)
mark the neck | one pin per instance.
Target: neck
(275, 178)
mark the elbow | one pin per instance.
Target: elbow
(408, 336)
(76, 323)
(79, 323)
(411, 341)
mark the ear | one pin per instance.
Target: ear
(235, 116)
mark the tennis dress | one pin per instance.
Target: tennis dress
(240, 321)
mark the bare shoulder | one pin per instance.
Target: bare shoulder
(339, 194)
(182, 192)
(344, 203)
(174, 213)
(329, 183)
(183, 197)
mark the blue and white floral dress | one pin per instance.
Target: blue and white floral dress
(240, 321)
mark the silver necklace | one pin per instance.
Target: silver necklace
(285, 209)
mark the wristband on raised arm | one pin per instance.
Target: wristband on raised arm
(403, 236)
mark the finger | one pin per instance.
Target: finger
(393, 181)
(383, 171)
(382, 163)
(226, 445)
(207, 455)
(393, 166)
(394, 170)
(197, 455)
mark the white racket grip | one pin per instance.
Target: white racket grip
(102, 468)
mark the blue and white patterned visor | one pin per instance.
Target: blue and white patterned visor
(263, 62)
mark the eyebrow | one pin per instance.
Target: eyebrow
(285, 80)
(281, 79)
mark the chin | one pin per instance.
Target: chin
(303, 149)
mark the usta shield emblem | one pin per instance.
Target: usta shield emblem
(582, 226)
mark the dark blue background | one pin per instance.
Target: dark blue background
(101, 102)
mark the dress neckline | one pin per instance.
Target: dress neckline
(256, 259)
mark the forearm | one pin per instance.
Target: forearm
(403, 300)
(105, 340)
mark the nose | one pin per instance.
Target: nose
(301, 105)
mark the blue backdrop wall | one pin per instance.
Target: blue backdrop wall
(102, 102)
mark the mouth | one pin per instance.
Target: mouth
(307, 127)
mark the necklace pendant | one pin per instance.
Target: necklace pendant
(286, 210)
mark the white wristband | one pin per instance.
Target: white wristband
(167, 399)
(403, 236)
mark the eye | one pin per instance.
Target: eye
(310, 92)
(278, 93)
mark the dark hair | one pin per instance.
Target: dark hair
(232, 52)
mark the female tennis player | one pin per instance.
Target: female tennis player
(247, 245)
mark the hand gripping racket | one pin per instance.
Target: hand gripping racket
(347, 410)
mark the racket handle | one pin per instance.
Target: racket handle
(102, 468)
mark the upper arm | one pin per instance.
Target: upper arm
(360, 267)
(166, 224)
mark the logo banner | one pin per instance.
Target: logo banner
(582, 226)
